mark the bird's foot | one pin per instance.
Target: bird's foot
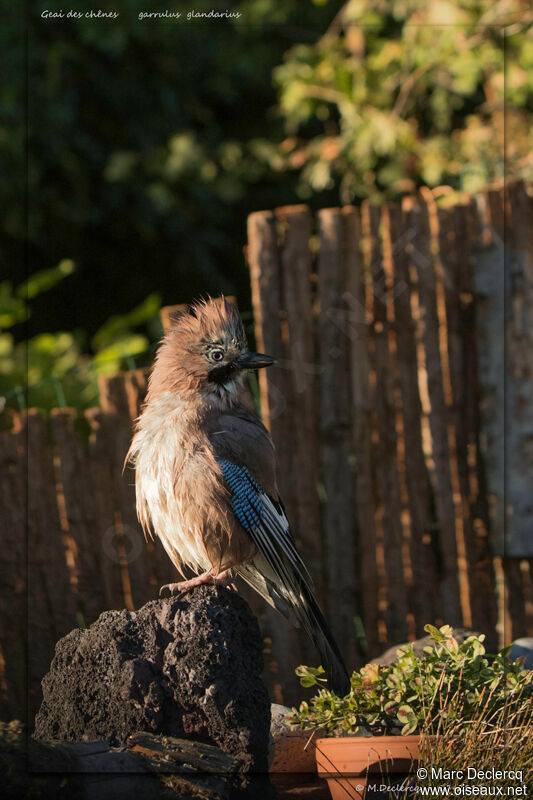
(183, 587)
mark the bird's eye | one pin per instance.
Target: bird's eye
(217, 355)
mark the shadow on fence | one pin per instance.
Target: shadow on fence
(375, 406)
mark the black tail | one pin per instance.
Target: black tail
(291, 596)
(312, 620)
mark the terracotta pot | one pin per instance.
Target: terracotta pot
(348, 762)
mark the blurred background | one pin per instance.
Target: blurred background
(138, 157)
(141, 146)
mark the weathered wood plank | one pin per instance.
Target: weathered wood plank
(489, 292)
(452, 245)
(13, 575)
(153, 766)
(464, 240)
(496, 208)
(335, 431)
(135, 571)
(527, 566)
(263, 260)
(422, 270)
(515, 620)
(135, 384)
(264, 264)
(297, 300)
(361, 416)
(293, 225)
(519, 372)
(389, 508)
(50, 601)
(422, 593)
(104, 537)
(80, 520)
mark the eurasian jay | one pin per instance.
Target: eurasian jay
(206, 477)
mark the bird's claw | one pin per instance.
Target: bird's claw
(179, 589)
(173, 588)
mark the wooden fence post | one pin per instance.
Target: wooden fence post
(422, 593)
(389, 510)
(357, 328)
(421, 264)
(14, 585)
(302, 369)
(74, 487)
(50, 601)
(335, 430)
(263, 260)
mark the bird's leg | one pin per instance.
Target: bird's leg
(225, 578)
(205, 578)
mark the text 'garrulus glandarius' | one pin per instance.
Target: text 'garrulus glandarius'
(205, 473)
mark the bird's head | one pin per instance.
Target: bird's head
(204, 355)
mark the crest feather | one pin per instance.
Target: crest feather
(208, 318)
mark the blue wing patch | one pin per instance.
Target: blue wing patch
(246, 494)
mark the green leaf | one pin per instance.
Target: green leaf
(434, 632)
(120, 325)
(404, 713)
(46, 279)
(110, 359)
(409, 727)
(12, 309)
(438, 687)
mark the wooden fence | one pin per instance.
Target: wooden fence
(374, 406)
(384, 421)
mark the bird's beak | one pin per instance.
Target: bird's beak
(254, 361)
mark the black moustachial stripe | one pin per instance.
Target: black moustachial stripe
(221, 374)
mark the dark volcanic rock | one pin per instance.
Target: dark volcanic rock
(188, 667)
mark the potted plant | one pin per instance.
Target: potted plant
(378, 726)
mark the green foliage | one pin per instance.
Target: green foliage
(142, 147)
(12, 308)
(144, 151)
(46, 371)
(447, 680)
(45, 279)
(51, 369)
(496, 736)
(395, 95)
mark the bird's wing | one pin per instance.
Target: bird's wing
(246, 456)
(277, 572)
(263, 518)
(239, 436)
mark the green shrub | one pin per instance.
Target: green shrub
(53, 369)
(449, 681)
